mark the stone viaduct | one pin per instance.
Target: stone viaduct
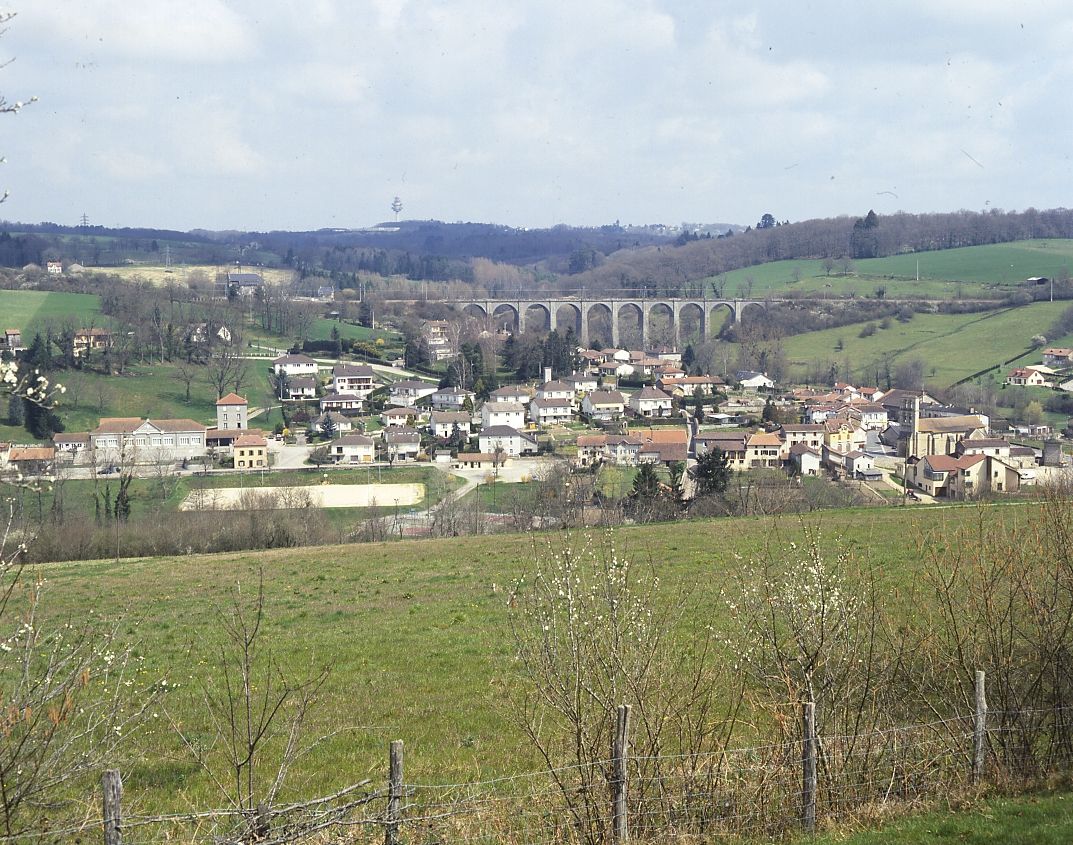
(513, 312)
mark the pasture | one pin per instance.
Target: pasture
(30, 310)
(952, 346)
(979, 272)
(416, 633)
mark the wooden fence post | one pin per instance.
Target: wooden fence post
(262, 822)
(112, 785)
(808, 766)
(979, 728)
(619, 756)
(394, 794)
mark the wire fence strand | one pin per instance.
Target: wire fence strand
(752, 791)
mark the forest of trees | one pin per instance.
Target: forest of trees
(499, 259)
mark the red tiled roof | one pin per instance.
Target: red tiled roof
(231, 399)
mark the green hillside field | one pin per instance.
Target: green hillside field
(986, 272)
(29, 310)
(416, 633)
(952, 346)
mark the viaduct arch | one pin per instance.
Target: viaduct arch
(579, 310)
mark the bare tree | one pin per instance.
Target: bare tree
(187, 372)
(257, 712)
(241, 374)
(221, 369)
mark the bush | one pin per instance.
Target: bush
(868, 331)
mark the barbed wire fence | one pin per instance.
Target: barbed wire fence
(760, 791)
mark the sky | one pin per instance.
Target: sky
(258, 114)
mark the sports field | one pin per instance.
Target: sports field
(320, 496)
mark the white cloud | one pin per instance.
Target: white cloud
(153, 30)
(542, 111)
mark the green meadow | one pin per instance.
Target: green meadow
(30, 310)
(416, 633)
(156, 497)
(952, 346)
(984, 272)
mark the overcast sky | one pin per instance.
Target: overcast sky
(258, 114)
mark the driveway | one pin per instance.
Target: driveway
(288, 457)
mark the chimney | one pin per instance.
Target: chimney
(547, 374)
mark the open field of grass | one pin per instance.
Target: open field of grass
(155, 496)
(150, 390)
(322, 330)
(1045, 819)
(417, 632)
(952, 346)
(972, 272)
(29, 310)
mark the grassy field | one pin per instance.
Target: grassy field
(982, 271)
(322, 330)
(952, 346)
(29, 310)
(1045, 819)
(416, 633)
(151, 496)
(150, 390)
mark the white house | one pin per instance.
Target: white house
(133, 440)
(437, 336)
(444, 423)
(689, 385)
(752, 380)
(355, 379)
(859, 464)
(805, 459)
(1030, 377)
(583, 383)
(503, 413)
(353, 449)
(549, 411)
(395, 417)
(402, 444)
(199, 333)
(873, 417)
(300, 388)
(408, 392)
(344, 403)
(294, 365)
(555, 390)
(604, 405)
(231, 412)
(651, 402)
(452, 399)
(510, 440)
(511, 393)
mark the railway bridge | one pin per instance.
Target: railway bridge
(578, 312)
